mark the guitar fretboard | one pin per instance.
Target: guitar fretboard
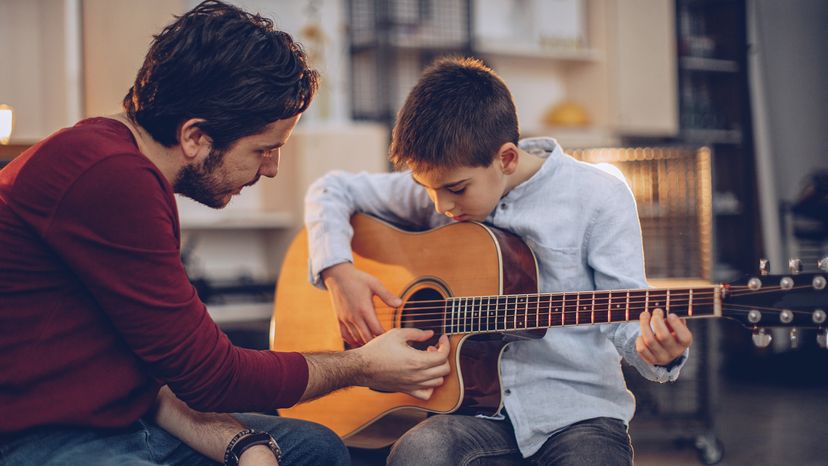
(485, 314)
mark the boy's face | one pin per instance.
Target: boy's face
(464, 193)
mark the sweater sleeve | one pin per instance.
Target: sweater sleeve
(116, 229)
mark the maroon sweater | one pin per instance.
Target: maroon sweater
(96, 311)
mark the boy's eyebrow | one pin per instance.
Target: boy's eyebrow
(447, 185)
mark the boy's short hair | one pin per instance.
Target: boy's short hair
(458, 114)
(222, 64)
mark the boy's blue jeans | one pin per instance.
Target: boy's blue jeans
(143, 443)
(465, 440)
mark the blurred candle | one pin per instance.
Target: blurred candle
(6, 123)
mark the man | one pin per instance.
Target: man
(96, 312)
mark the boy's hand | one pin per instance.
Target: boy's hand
(392, 365)
(352, 293)
(662, 340)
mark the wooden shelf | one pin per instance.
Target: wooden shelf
(240, 312)
(530, 51)
(238, 220)
(709, 64)
(712, 136)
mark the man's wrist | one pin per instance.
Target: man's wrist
(246, 440)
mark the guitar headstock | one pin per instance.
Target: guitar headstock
(793, 300)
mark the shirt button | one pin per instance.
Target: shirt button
(503, 206)
(507, 392)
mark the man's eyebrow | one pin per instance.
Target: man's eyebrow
(447, 185)
(271, 146)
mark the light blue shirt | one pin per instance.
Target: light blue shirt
(582, 224)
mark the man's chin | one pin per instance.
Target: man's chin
(218, 202)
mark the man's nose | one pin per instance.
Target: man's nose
(270, 165)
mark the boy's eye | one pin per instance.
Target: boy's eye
(458, 191)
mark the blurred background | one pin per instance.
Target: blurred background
(715, 110)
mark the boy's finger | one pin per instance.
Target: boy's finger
(683, 334)
(643, 351)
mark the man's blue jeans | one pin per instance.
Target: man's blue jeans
(465, 440)
(143, 443)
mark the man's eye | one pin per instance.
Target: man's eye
(458, 191)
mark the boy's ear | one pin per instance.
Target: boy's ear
(507, 155)
(193, 140)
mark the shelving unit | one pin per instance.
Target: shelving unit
(714, 110)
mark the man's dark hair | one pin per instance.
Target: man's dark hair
(459, 114)
(222, 64)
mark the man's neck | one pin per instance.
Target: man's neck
(167, 159)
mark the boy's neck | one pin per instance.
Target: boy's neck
(528, 165)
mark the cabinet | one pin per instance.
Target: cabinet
(616, 59)
(714, 110)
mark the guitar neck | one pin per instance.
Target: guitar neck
(502, 313)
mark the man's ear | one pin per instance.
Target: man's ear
(507, 156)
(193, 141)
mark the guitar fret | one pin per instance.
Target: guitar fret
(627, 307)
(592, 317)
(609, 307)
(690, 303)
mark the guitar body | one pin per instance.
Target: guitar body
(462, 259)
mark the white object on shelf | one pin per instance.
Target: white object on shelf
(239, 219)
(535, 51)
(240, 312)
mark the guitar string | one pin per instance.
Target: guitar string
(604, 294)
(675, 300)
(570, 323)
(463, 319)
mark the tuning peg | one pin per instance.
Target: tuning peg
(764, 266)
(794, 266)
(821, 340)
(761, 338)
(794, 338)
(822, 264)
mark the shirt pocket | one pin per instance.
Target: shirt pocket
(561, 268)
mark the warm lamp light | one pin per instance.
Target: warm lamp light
(6, 123)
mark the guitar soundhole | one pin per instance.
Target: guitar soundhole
(424, 309)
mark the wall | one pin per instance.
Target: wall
(790, 106)
(40, 64)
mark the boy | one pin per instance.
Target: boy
(565, 397)
(96, 310)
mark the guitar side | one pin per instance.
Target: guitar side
(408, 264)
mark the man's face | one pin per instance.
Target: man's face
(214, 180)
(464, 193)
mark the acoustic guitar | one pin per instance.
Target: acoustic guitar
(474, 283)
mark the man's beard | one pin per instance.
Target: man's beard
(198, 183)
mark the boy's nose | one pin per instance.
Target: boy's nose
(442, 205)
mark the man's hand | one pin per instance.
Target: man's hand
(662, 340)
(352, 293)
(385, 363)
(393, 365)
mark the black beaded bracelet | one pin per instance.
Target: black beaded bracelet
(246, 439)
